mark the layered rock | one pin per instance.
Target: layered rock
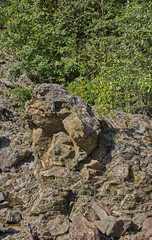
(94, 175)
(80, 158)
(65, 128)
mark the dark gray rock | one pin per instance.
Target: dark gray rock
(10, 157)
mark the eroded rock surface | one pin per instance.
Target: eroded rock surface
(65, 128)
(92, 177)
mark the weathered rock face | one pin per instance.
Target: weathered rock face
(17, 182)
(65, 128)
(94, 176)
(80, 158)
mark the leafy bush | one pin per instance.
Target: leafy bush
(22, 95)
(100, 50)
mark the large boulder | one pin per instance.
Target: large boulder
(66, 130)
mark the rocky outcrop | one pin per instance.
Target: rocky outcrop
(80, 158)
(65, 128)
(92, 176)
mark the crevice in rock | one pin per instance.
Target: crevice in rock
(70, 199)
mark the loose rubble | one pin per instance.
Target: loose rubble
(90, 179)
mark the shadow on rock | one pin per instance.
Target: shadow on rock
(4, 142)
(8, 232)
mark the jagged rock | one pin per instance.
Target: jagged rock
(52, 200)
(83, 129)
(147, 228)
(99, 211)
(63, 237)
(94, 164)
(82, 229)
(92, 169)
(80, 159)
(10, 157)
(139, 219)
(112, 226)
(59, 226)
(13, 217)
(51, 105)
(92, 215)
(65, 128)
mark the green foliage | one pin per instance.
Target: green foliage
(100, 50)
(22, 95)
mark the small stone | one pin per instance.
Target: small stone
(82, 229)
(147, 227)
(110, 226)
(94, 164)
(59, 226)
(139, 219)
(99, 211)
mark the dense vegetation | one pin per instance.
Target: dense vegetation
(99, 49)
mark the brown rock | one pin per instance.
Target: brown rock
(52, 104)
(89, 173)
(147, 228)
(13, 217)
(99, 211)
(81, 229)
(92, 215)
(58, 226)
(92, 169)
(94, 164)
(54, 173)
(52, 111)
(110, 226)
(83, 129)
(63, 151)
(115, 227)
